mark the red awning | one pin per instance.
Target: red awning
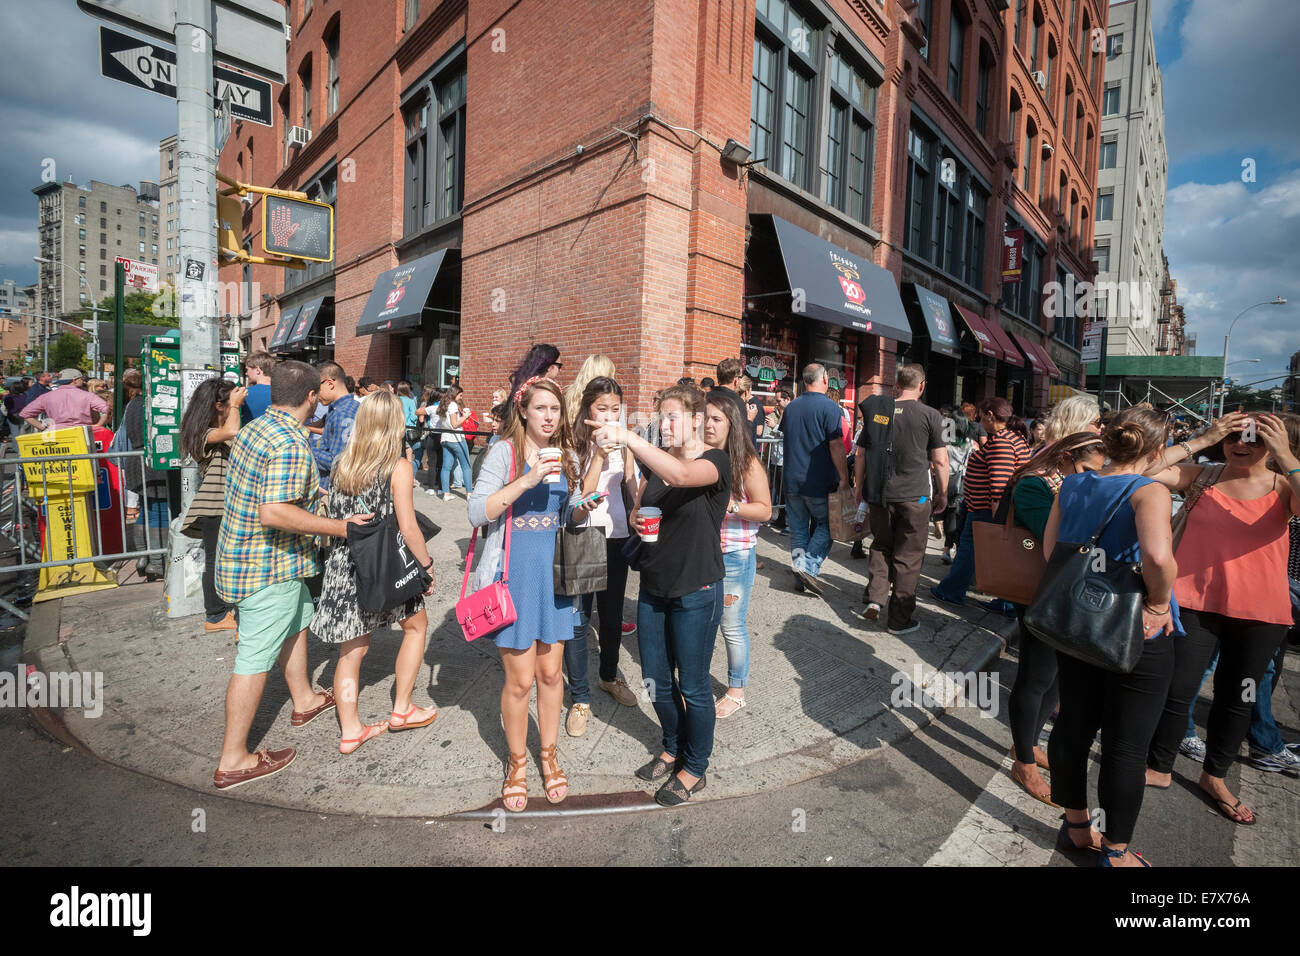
(988, 342)
(1037, 357)
(1052, 370)
(1012, 356)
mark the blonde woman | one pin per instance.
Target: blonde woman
(1078, 413)
(594, 367)
(372, 476)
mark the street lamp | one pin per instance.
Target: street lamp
(94, 313)
(1227, 338)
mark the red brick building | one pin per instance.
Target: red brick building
(505, 173)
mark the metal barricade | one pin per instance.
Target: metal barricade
(771, 452)
(81, 501)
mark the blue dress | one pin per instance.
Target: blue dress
(540, 613)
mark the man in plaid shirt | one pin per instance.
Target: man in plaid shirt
(340, 418)
(264, 552)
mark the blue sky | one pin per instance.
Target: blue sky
(1232, 93)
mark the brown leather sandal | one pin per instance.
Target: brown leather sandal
(516, 782)
(552, 776)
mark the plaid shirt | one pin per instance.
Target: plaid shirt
(339, 419)
(270, 462)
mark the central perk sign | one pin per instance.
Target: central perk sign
(148, 66)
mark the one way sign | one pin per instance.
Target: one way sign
(148, 66)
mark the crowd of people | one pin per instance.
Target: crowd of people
(294, 459)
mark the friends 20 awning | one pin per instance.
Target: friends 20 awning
(835, 285)
(282, 329)
(398, 298)
(302, 326)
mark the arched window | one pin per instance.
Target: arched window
(1078, 125)
(1089, 154)
(1051, 64)
(1065, 107)
(1013, 116)
(1035, 36)
(984, 91)
(1030, 133)
(956, 55)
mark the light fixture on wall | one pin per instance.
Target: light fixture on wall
(734, 152)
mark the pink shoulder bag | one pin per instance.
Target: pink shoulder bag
(488, 609)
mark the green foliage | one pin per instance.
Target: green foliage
(69, 351)
(139, 307)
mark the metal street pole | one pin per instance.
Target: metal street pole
(1101, 368)
(196, 181)
(119, 366)
(1228, 338)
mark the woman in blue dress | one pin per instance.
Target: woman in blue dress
(512, 494)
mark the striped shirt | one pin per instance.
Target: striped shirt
(991, 467)
(270, 463)
(738, 534)
(210, 500)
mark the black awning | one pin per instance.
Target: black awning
(398, 298)
(302, 327)
(282, 329)
(835, 285)
(932, 318)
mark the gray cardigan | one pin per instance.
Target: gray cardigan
(493, 476)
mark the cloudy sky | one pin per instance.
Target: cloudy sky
(1231, 82)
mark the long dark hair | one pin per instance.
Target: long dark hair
(1058, 455)
(201, 414)
(538, 359)
(738, 447)
(1001, 410)
(598, 386)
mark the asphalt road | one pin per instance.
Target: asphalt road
(942, 797)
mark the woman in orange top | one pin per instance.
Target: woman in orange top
(1230, 587)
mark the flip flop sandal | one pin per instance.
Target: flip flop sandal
(1234, 809)
(738, 701)
(365, 735)
(405, 725)
(1047, 799)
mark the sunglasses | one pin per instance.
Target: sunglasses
(1232, 437)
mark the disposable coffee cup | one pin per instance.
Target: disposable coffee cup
(650, 518)
(550, 454)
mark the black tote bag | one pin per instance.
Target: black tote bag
(387, 573)
(1090, 609)
(581, 564)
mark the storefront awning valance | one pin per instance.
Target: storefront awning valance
(837, 286)
(1042, 365)
(1010, 354)
(282, 329)
(931, 317)
(1046, 353)
(988, 342)
(302, 326)
(398, 298)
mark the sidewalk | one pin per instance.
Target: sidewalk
(819, 696)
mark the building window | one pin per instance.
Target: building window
(103, 207)
(850, 139)
(1042, 177)
(948, 210)
(982, 86)
(956, 50)
(103, 223)
(332, 73)
(925, 13)
(1110, 101)
(81, 202)
(1033, 38)
(945, 208)
(1101, 257)
(305, 79)
(1027, 166)
(1051, 64)
(920, 150)
(781, 107)
(103, 238)
(81, 234)
(1114, 45)
(976, 207)
(1020, 21)
(1109, 151)
(412, 14)
(1105, 206)
(142, 248)
(153, 247)
(1013, 117)
(435, 151)
(142, 232)
(1078, 127)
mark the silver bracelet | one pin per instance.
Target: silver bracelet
(1190, 454)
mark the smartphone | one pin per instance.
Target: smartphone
(595, 498)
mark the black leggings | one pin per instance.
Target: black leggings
(954, 519)
(1244, 651)
(1034, 694)
(213, 607)
(1126, 708)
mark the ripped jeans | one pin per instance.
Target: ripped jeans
(736, 585)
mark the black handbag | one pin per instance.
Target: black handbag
(581, 564)
(1091, 609)
(387, 573)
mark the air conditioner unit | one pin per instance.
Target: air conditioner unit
(1040, 78)
(329, 335)
(299, 136)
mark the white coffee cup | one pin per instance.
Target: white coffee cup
(550, 454)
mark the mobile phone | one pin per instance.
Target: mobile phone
(595, 498)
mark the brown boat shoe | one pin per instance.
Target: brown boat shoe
(269, 762)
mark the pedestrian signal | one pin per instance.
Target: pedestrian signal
(299, 228)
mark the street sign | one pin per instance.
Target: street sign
(140, 275)
(148, 66)
(247, 34)
(1091, 349)
(299, 228)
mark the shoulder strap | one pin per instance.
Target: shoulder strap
(469, 557)
(1114, 509)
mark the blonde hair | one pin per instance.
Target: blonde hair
(1074, 414)
(375, 445)
(594, 366)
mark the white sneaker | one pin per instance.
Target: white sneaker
(1193, 747)
(431, 491)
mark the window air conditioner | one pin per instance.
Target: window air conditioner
(299, 136)
(1040, 78)
(329, 335)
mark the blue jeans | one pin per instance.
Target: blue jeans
(953, 586)
(456, 452)
(609, 609)
(810, 532)
(1263, 733)
(677, 636)
(1191, 711)
(737, 584)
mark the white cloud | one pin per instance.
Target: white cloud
(1229, 248)
(1161, 13)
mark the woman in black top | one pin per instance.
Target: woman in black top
(680, 604)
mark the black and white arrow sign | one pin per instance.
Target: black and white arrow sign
(148, 66)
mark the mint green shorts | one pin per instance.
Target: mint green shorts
(268, 618)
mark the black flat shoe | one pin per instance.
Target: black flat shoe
(657, 767)
(674, 793)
